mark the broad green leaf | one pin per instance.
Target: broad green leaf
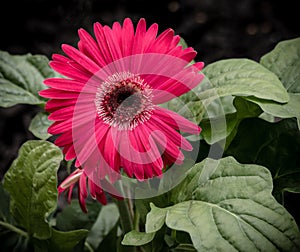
(242, 77)
(287, 110)
(62, 241)
(135, 238)
(31, 182)
(227, 206)
(219, 128)
(66, 241)
(284, 61)
(39, 126)
(72, 217)
(4, 205)
(21, 78)
(275, 146)
(106, 221)
(11, 94)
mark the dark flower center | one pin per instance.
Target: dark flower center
(124, 101)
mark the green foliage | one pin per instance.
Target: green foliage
(275, 146)
(39, 126)
(242, 77)
(72, 218)
(105, 223)
(21, 78)
(31, 182)
(244, 217)
(284, 61)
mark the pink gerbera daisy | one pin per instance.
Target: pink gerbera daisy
(106, 111)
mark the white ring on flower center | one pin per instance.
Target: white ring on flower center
(124, 100)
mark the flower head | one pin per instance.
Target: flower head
(106, 111)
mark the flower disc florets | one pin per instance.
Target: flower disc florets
(124, 100)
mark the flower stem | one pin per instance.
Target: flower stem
(126, 220)
(125, 215)
(14, 229)
(136, 221)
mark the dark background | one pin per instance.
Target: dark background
(217, 29)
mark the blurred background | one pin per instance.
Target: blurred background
(217, 29)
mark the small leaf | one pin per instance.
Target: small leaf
(228, 206)
(242, 77)
(21, 78)
(155, 219)
(106, 221)
(135, 238)
(39, 126)
(31, 181)
(284, 61)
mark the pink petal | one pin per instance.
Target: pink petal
(70, 71)
(127, 37)
(81, 58)
(58, 94)
(90, 47)
(171, 134)
(62, 114)
(64, 139)
(64, 84)
(176, 121)
(55, 104)
(82, 185)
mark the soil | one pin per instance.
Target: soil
(217, 29)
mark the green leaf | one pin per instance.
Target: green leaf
(284, 61)
(62, 241)
(275, 146)
(4, 205)
(242, 77)
(72, 218)
(21, 78)
(287, 110)
(216, 129)
(155, 219)
(66, 241)
(39, 126)
(135, 238)
(106, 221)
(31, 182)
(228, 206)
